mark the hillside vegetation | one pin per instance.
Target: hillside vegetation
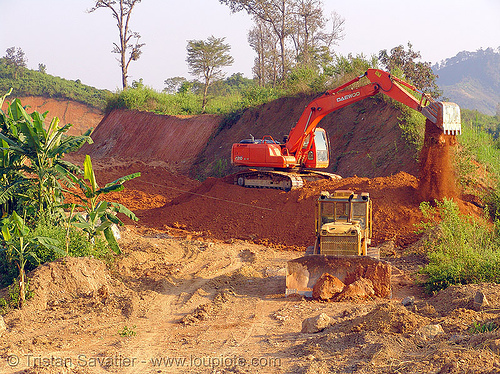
(27, 82)
(472, 79)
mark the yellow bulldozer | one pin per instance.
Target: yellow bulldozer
(343, 234)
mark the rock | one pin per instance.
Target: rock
(430, 331)
(327, 286)
(3, 326)
(360, 289)
(480, 301)
(316, 324)
(408, 301)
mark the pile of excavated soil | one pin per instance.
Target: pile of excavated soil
(133, 135)
(81, 116)
(224, 210)
(80, 284)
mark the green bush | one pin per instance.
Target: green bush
(79, 245)
(465, 252)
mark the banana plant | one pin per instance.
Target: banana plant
(99, 215)
(32, 158)
(20, 248)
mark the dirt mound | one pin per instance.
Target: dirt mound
(462, 297)
(223, 210)
(81, 116)
(388, 318)
(69, 286)
(134, 135)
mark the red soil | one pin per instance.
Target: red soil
(437, 177)
(162, 146)
(132, 135)
(81, 116)
(225, 211)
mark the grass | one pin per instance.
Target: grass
(466, 250)
(127, 332)
(481, 328)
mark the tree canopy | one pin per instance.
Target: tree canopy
(206, 58)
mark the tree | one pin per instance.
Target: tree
(276, 13)
(128, 51)
(205, 60)
(266, 64)
(418, 73)
(311, 38)
(288, 33)
(42, 68)
(172, 85)
(15, 58)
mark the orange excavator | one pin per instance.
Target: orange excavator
(289, 163)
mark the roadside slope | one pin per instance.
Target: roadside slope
(81, 116)
(174, 141)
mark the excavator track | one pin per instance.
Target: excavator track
(280, 180)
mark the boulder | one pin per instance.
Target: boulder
(480, 301)
(327, 287)
(316, 324)
(359, 290)
(430, 331)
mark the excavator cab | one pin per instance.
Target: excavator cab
(318, 155)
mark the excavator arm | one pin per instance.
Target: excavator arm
(444, 115)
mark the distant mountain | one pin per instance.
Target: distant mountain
(472, 79)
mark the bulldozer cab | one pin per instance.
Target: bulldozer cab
(343, 223)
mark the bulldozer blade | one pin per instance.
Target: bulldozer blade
(444, 115)
(303, 273)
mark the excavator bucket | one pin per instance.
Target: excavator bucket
(444, 115)
(303, 273)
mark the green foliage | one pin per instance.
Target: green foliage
(479, 145)
(481, 328)
(127, 332)
(38, 83)
(411, 69)
(412, 125)
(78, 243)
(14, 296)
(20, 247)
(465, 252)
(99, 215)
(32, 160)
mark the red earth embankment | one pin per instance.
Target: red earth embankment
(166, 148)
(175, 141)
(81, 116)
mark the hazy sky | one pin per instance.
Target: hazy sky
(74, 44)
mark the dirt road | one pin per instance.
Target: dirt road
(187, 304)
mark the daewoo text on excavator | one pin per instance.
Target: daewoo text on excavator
(288, 164)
